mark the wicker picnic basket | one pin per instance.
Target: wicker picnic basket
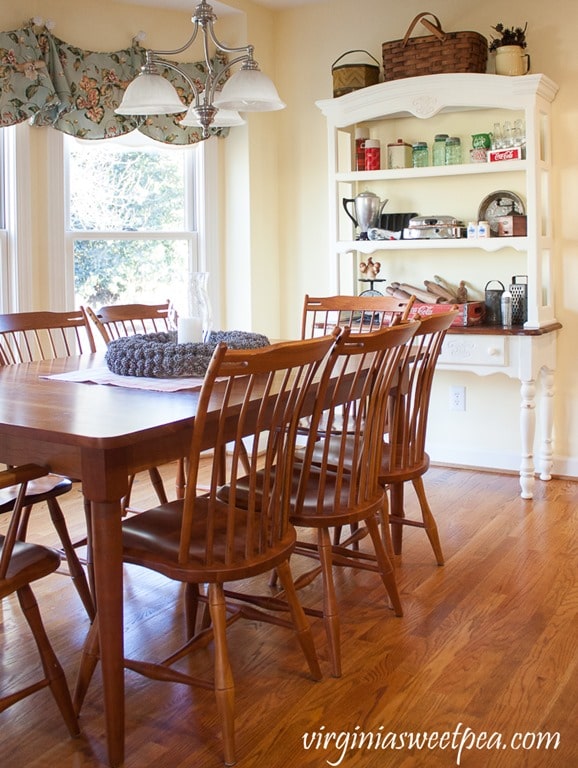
(432, 54)
(353, 76)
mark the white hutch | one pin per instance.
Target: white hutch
(416, 109)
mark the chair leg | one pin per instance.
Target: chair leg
(158, 485)
(428, 520)
(76, 570)
(224, 685)
(396, 491)
(88, 662)
(385, 527)
(191, 608)
(125, 502)
(386, 568)
(330, 610)
(23, 526)
(180, 480)
(302, 627)
(53, 671)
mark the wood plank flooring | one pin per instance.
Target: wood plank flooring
(488, 643)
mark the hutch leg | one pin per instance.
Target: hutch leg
(547, 421)
(527, 431)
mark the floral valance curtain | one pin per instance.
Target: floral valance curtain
(56, 84)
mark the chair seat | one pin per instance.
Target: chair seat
(391, 474)
(317, 508)
(153, 537)
(408, 469)
(36, 492)
(29, 562)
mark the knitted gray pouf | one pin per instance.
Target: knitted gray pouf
(157, 355)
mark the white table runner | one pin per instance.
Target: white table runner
(102, 375)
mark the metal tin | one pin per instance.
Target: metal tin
(399, 155)
(493, 303)
(372, 155)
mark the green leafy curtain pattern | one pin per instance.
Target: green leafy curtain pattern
(76, 91)
(25, 85)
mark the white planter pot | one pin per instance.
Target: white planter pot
(510, 60)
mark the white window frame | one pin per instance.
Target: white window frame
(60, 241)
(16, 268)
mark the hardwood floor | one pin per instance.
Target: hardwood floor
(488, 641)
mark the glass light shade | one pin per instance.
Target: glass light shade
(225, 118)
(150, 95)
(249, 90)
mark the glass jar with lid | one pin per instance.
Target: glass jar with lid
(453, 150)
(420, 155)
(439, 149)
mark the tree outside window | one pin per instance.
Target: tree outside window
(131, 217)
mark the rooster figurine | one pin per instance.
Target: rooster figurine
(370, 267)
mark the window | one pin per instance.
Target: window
(3, 233)
(130, 220)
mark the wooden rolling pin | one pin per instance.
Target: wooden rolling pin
(424, 296)
(397, 292)
(439, 290)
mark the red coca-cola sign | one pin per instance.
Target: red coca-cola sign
(512, 153)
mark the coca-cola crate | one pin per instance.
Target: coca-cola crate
(511, 153)
(470, 313)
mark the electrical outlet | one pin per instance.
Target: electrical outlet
(457, 398)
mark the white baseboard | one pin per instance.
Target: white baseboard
(563, 466)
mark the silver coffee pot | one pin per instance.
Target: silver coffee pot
(368, 208)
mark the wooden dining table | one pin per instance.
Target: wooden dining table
(99, 435)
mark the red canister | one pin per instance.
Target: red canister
(361, 136)
(372, 155)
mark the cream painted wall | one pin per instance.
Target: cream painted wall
(309, 39)
(275, 175)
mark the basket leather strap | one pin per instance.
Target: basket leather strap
(435, 29)
(356, 50)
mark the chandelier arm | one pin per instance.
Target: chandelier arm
(246, 49)
(188, 44)
(175, 68)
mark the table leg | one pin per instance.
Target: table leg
(527, 431)
(106, 531)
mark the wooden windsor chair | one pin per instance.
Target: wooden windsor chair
(117, 321)
(361, 314)
(203, 540)
(22, 563)
(404, 457)
(27, 337)
(329, 493)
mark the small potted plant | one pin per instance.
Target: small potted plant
(508, 48)
(508, 36)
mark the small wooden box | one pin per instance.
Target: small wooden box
(512, 226)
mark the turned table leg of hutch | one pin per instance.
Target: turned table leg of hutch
(527, 431)
(546, 423)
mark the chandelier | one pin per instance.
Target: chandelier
(221, 100)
